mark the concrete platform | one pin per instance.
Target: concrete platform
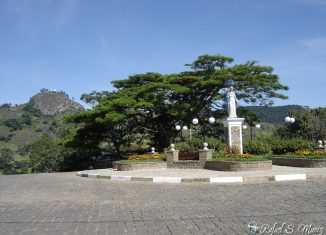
(277, 173)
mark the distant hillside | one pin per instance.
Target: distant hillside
(25, 123)
(274, 114)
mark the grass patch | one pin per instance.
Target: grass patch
(302, 157)
(238, 159)
(140, 161)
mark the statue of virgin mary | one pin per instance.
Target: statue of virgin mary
(232, 103)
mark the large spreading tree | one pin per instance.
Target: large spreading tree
(151, 104)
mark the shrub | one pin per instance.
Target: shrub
(257, 147)
(185, 147)
(46, 155)
(291, 145)
(14, 124)
(6, 158)
(197, 143)
(233, 150)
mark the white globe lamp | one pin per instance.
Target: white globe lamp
(184, 128)
(211, 120)
(178, 128)
(288, 119)
(244, 127)
(292, 120)
(195, 121)
(258, 126)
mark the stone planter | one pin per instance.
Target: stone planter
(298, 162)
(221, 165)
(138, 166)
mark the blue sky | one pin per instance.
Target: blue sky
(81, 45)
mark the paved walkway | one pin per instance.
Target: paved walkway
(277, 173)
(65, 204)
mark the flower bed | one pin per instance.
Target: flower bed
(141, 161)
(301, 158)
(238, 162)
(146, 156)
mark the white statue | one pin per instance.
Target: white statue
(232, 103)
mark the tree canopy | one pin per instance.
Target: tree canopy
(152, 103)
(309, 124)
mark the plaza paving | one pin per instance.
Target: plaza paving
(195, 175)
(65, 204)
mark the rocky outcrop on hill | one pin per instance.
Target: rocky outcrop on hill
(55, 103)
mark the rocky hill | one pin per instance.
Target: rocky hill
(22, 124)
(55, 103)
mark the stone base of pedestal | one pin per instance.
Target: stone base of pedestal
(172, 155)
(233, 133)
(205, 155)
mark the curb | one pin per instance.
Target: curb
(215, 180)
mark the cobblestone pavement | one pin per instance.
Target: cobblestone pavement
(65, 204)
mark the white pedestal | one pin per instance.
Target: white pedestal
(233, 132)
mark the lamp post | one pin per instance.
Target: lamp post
(289, 119)
(195, 122)
(251, 125)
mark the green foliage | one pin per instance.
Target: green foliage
(30, 108)
(46, 155)
(26, 119)
(6, 105)
(19, 167)
(14, 124)
(152, 103)
(309, 124)
(94, 97)
(283, 146)
(257, 147)
(6, 138)
(197, 143)
(6, 158)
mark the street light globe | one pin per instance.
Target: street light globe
(287, 119)
(195, 121)
(244, 127)
(258, 126)
(211, 120)
(184, 128)
(178, 127)
(292, 120)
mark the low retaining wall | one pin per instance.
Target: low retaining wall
(298, 162)
(186, 164)
(221, 165)
(138, 166)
